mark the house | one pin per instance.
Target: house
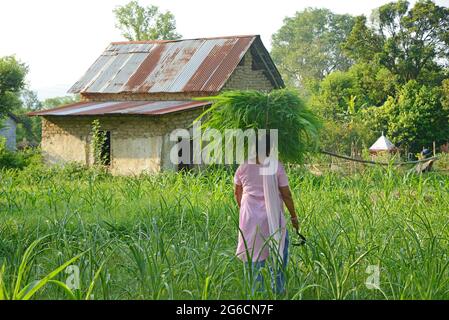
(141, 91)
(8, 127)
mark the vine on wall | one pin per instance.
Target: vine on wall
(97, 143)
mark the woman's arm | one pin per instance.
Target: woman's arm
(238, 191)
(288, 200)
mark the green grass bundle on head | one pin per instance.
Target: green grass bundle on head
(282, 109)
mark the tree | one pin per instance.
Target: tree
(343, 94)
(445, 92)
(307, 47)
(59, 101)
(145, 23)
(30, 100)
(343, 97)
(12, 81)
(362, 44)
(413, 43)
(335, 90)
(30, 128)
(415, 118)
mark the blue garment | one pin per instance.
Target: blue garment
(278, 285)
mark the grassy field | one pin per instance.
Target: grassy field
(173, 236)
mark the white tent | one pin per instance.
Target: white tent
(382, 144)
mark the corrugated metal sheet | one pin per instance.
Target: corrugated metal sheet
(121, 107)
(165, 66)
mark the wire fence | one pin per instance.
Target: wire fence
(346, 164)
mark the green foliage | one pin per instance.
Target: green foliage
(342, 94)
(29, 129)
(362, 44)
(12, 74)
(445, 94)
(410, 42)
(343, 137)
(331, 101)
(365, 94)
(30, 100)
(97, 143)
(373, 84)
(17, 160)
(59, 101)
(145, 23)
(443, 162)
(12, 80)
(279, 109)
(402, 43)
(307, 46)
(18, 291)
(173, 236)
(415, 118)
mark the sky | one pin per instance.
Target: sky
(60, 39)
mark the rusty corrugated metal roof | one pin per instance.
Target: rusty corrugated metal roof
(121, 107)
(192, 65)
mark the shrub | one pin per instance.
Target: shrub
(18, 160)
(415, 118)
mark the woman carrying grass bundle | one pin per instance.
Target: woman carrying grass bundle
(261, 196)
(258, 196)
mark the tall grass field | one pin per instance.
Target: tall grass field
(75, 234)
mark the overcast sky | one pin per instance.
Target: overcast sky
(60, 39)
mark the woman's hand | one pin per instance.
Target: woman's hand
(295, 222)
(288, 200)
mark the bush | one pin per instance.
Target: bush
(18, 160)
(344, 137)
(415, 118)
(443, 162)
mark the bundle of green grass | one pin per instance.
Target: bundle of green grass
(298, 127)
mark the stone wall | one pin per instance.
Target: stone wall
(138, 143)
(8, 130)
(245, 77)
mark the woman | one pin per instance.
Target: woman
(254, 223)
